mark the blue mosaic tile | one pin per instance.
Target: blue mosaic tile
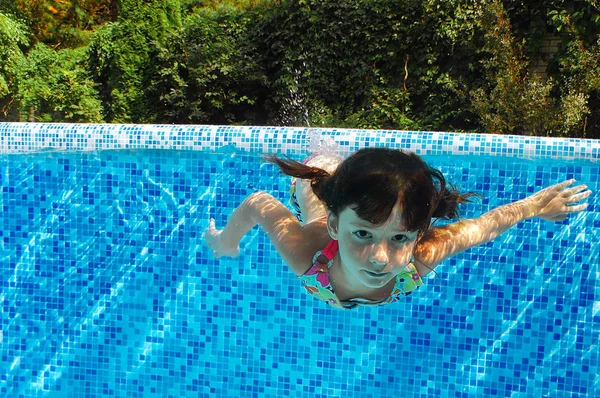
(107, 289)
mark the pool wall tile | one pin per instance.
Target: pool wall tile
(107, 289)
(28, 137)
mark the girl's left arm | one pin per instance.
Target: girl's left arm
(552, 204)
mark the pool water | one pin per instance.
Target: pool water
(108, 290)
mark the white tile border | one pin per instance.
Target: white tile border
(32, 137)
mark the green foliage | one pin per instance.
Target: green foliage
(12, 36)
(202, 75)
(516, 100)
(325, 57)
(578, 65)
(60, 23)
(155, 17)
(336, 62)
(52, 87)
(119, 56)
(394, 64)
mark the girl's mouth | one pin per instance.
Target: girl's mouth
(376, 274)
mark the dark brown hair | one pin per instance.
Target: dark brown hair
(372, 180)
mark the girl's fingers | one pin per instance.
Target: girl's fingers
(560, 188)
(565, 184)
(575, 190)
(576, 208)
(580, 196)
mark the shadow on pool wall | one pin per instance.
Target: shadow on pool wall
(108, 290)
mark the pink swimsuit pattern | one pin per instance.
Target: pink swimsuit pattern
(316, 282)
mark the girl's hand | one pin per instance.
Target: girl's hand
(557, 201)
(214, 242)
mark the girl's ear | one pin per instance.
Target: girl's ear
(332, 225)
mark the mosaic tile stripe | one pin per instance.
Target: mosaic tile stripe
(30, 137)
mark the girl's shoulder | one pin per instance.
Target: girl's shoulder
(315, 237)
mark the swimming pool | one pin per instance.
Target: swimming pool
(107, 289)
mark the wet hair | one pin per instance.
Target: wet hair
(373, 180)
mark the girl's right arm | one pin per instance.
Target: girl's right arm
(292, 241)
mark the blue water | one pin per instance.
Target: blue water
(107, 290)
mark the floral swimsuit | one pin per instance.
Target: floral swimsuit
(316, 282)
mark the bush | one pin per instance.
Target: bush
(119, 57)
(202, 74)
(52, 87)
(421, 65)
(13, 35)
(517, 100)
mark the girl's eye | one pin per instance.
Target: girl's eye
(400, 238)
(362, 234)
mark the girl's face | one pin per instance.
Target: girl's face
(372, 255)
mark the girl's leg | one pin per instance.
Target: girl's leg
(310, 206)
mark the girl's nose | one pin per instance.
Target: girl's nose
(379, 257)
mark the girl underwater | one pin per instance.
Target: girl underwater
(367, 237)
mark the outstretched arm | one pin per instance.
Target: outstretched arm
(293, 241)
(552, 204)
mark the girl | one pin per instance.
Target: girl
(367, 237)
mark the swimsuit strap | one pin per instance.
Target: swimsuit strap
(329, 253)
(330, 250)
